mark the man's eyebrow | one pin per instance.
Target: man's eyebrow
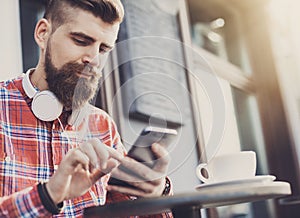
(82, 35)
(90, 39)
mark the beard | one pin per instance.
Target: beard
(70, 89)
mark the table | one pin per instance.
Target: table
(189, 204)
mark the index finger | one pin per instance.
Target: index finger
(104, 152)
(113, 153)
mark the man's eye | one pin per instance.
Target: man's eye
(79, 42)
(103, 50)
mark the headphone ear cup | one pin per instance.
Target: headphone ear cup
(46, 106)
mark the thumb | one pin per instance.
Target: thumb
(163, 158)
(97, 173)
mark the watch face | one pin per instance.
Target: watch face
(167, 189)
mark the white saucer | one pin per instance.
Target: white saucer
(257, 179)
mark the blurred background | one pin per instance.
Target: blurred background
(232, 66)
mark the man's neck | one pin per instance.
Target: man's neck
(38, 78)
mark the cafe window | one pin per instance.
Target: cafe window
(30, 12)
(232, 38)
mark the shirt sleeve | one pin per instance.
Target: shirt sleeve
(25, 203)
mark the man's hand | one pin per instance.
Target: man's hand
(80, 169)
(148, 182)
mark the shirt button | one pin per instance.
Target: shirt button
(7, 159)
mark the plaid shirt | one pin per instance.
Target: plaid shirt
(31, 150)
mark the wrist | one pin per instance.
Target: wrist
(48, 203)
(55, 198)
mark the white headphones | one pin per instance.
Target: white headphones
(45, 106)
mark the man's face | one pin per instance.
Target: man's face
(75, 55)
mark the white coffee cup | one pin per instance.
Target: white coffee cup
(228, 167)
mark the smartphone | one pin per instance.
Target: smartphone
(141, 149)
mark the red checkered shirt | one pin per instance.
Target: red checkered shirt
(31, 150)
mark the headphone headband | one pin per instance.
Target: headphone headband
(27, 85)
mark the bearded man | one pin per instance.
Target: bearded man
(57, 150)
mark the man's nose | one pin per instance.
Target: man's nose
(92, 58)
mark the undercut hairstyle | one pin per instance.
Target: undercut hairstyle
(60, 11)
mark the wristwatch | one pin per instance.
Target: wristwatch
(167, 188)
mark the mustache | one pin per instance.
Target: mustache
(84, 69)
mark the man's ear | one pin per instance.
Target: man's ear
(42, 32)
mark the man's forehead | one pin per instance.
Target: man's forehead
(96, 35)
(92, 26)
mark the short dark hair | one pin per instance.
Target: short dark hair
(58, 11)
